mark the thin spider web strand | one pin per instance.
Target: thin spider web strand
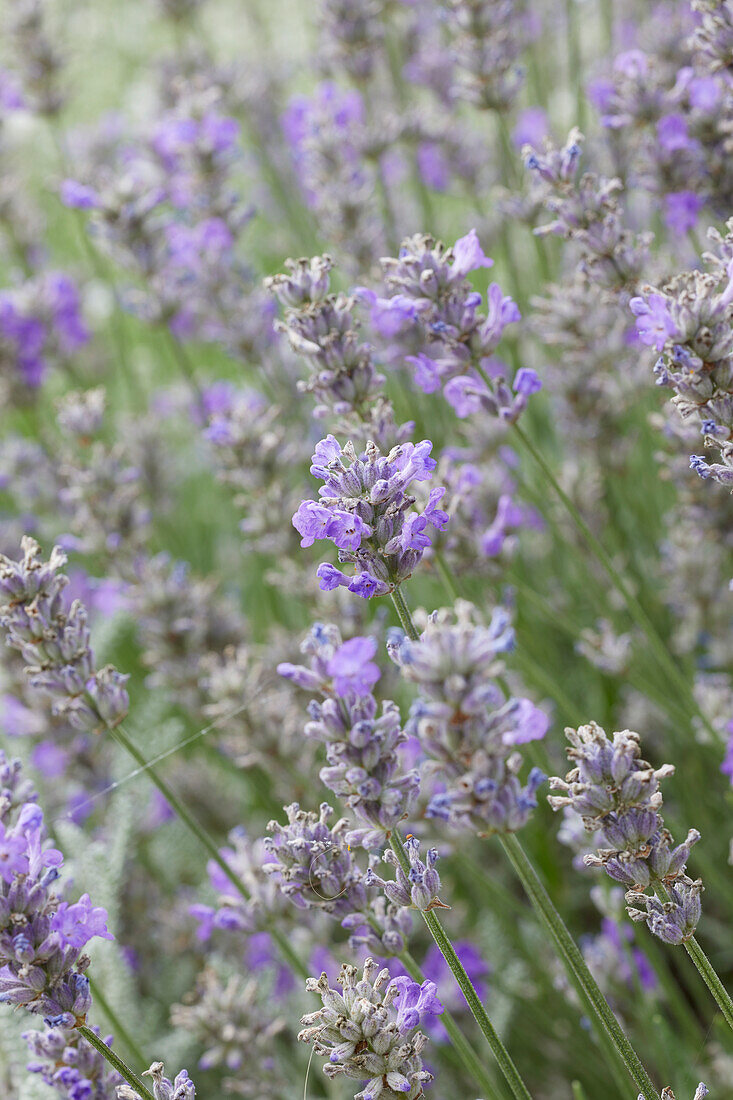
(222, 720)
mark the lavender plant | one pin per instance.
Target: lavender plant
(165, 375)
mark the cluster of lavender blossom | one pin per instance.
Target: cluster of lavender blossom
(689, 321)
(41, 324)
(371, 1028)
(164, 206)
(366, 511)
(467, 724)
(428, 315)
(42, 937)
(617, 795)
(363, 764)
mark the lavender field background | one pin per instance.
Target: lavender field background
(366, 714)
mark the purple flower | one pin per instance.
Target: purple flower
(13, 858)
(633, 64)
(390, 316)
(530, 724)
(366, 508)
(352, 668)
(435, 516)
(50, 759)
(311, 521)
(11, 97)
(447, 335)
(78, 195)
(617, 795)
(367, 586)
(345, 530)
(17, 720)
(413, 462)
(468, 255)
(330, 577)
(704, 92)
(727, 766)
(531, 127)
(502, 310)
(69, 1065)
(654, 322)
(79, 923)
(413, 536)
(465, 723)
(433, 165)
(40, 937)
(219, 132)
(327, 450)
(380, 1043)
(601, 93)
(464, 394)
(672, 134)
(415, 1002)
(363, 766)
(526, 382)
(426, 372)
(681, 210)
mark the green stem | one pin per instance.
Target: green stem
(635, 609)
(506, 1065)
(611, 1033)
(394, 64)
(509, 155)
(575, 61)
(99, 270)
(120, 1031)
(202, 835)
(186, 367)
(405, 617)
(712, 981)
(679, 1005)
(115, 1061)
(446, 575)
(576, 965)
(468, 1055)
(705, 968)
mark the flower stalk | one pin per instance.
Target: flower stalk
(504, 1060)
(115, 1061)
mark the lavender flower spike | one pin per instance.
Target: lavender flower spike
(182, 1088)
(363, 766)
(367, 512)
(465, 723)
(42, 966)
(312, 862)
(688, 323)
(419, 888)
(430, 317)
(369, 1031)
(322, 329)
(70, 1065)
(617, 794)
(54, 643)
